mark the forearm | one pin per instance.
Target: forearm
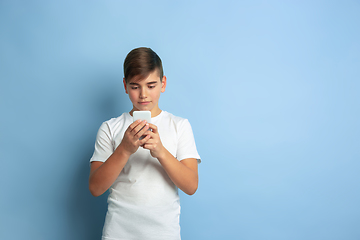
(105, 175)
(182, 176)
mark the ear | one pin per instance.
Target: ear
(125, 86)
(163, 84)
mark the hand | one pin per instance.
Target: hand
(153, 142)
(131, 140)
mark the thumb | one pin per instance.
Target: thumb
(153, 128)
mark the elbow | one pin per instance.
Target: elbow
(94, 193)
(193, 187)
(192, 190)
(191, 193)
(94, 190)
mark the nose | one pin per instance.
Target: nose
(143, 93)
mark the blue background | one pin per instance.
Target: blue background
(271, 89)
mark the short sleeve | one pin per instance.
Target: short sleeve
(186, 143)
(103, 144)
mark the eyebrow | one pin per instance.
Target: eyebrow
(149, 83)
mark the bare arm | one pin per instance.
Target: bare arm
(103, 175)
(184, 174)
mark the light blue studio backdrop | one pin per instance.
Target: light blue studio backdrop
(271, 89)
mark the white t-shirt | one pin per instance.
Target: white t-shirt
(143, 202)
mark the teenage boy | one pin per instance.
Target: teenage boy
(143, 176)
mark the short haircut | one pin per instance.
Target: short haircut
(140, 63)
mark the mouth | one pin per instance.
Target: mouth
(144, 103)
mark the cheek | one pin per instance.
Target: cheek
(132, 94)
(155, 94)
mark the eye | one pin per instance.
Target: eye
(134, 88)
(151, 86)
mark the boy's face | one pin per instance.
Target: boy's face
(145, 94)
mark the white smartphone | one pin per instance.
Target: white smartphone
(142, 115)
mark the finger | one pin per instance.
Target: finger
(139, 127)
(149, 133)
(143, 141)
(151, 143)
(149, 140)
(143, 131)
(153, 128)
(133, 126)
(148, 146)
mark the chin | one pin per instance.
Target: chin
(142, 108)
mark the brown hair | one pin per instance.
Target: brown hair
(140, 62)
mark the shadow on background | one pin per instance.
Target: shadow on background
(86, 212)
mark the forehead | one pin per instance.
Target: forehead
(152, 77)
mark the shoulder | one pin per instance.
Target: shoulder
(179, 123)
(174, 118)
(115, 123)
